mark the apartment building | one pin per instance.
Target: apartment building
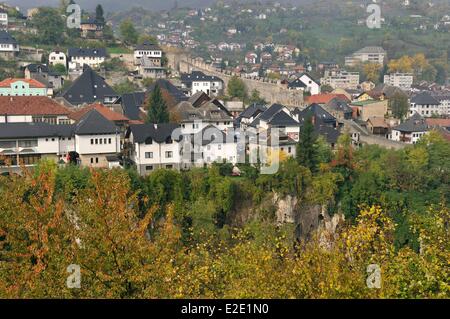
(338, 79)
(400, 80)
(371, 54)
(198, 81)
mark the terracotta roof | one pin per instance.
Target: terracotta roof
(103, 110)
(438, 122)
(6, 83)
(31, 105)
(325, 98)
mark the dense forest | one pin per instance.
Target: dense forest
(204, 233)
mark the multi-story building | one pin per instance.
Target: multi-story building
(425, 105)
(78, 57)
(90, 142)
(148, 68)
(91, 28)
(367, 54)
(151, 51)
(400, 80)
(444, 106)
(305, 82)
(3, 19)
(341, 79)
(199, 82)
(57, 57)
(9, 47)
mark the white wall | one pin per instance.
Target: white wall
(84, 146)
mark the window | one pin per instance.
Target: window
(8, 144)
(149, 141)
(29, 143)
(148, 154)
(169, 154)
(169, 140)
(96, 160)
(109, 141)
(149, 168)
(101, 141)
(92, 160)
(169, 166)
(92, 141)
(96, 141)
(289, 149)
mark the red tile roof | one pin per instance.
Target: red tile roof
(103, 110)
(438, 122)
(31, 105)
(325, 98)
(6, 83)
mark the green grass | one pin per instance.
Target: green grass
(118, 50)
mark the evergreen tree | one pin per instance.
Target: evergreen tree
(306, 148)
(99, 14)
(157, 108)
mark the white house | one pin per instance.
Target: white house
(251, 58)
(9, 47)
(88, 143)
(305, 82)
(57, 57)
(77, 57)
(411, 130)
(3, 19)
(151, 51)
(152, 147)
(425, 105)
(199, 82)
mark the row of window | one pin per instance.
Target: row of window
(97, 141)
(150, 167)
(168, 154)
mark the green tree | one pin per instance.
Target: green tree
(399, 105)
(237, 88)
(256, 98)
(99, 14)
(125, 87)
(128, 32)
(50, 26)
(157, 108)
(306, 148)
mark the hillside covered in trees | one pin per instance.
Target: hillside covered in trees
(206, 234)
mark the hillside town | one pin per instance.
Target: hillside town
(225, 150)
(62, 107)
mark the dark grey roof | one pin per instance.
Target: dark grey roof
(7, 38)
(131, 103)
(339, 105)
(88, 88)
(157, 132)
(166, 85)
(297, 83)
(282, 119)
(212, 135)
(147, 46)
(271, 111)
(198, 76)
(100, 52)
(37, 67)
(208, 111)
(34, 130)
(197, 96)
(316, 111)
(94, 123)
(331, 134)
(424, 98)
(415, 123)
(253, 110)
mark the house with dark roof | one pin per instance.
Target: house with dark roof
(150, 51)
(249, 114)
(131, 104)
(78, 57)
(339, 108)
(411, 130)
(325, 124)
(41, 73)
(91, 28)
(89, 142)
(425, 104)
(196, 81)
(171, 94)
(154, 146)
(9, 47)
(306, 83)
(89, 88)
